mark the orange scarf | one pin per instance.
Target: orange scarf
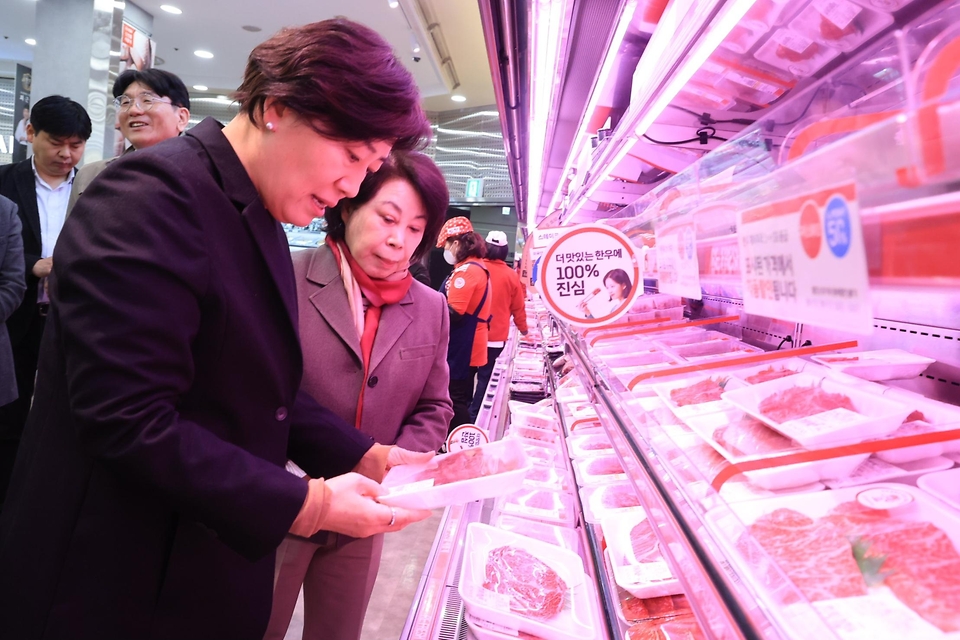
(377, 293)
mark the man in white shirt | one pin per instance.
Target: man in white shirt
(20, 133)
(40, 186)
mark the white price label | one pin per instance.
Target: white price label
(677, 262)
(492, 599)
(590, 276)
(839, 12)
(647, 572)
(822, 423)
(803, 260)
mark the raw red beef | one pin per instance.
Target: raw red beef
(681, 627)
(770, 373)
(606, 465)
(619, 496)
(800, 402)
(594, 443)
(915, 416)
(706, 390)
(460, 465)
(535, 590)
(646, 547)
(748, 436)
(815, 555)
(830, 31)
(798, 56)
(634, 608)
(922, 566)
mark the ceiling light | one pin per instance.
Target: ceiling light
(169, 8)
(393, 4)
(200, 53)
(30, 41)
(119, 5)
(200, 87)
(458, 98)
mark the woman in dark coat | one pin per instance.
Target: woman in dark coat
(150, 494)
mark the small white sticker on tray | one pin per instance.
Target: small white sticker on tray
(492, 599)
(647, 572)
(793, 41)
(821, 423)
(839, 12)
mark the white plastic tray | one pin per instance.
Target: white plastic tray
(701, 351)
(564, 537)
(796, 365)
(944, 485)
(774, 478)
(594, 500)
(586, 470)
(543, 475)
(875, 416)
(542, 505)
(880, 602)
(883, 364)
(589, 444)
(576, 620)
(664, 391)
(648, 579)
(541, 452)
(506, 468)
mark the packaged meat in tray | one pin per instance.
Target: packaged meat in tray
(634, 551)
(543, 505)
(564, 537)
(539, 452)
(588, 444)
(627, 374)
(819, 412)
(774, 370)
(634, 609)
(603, 499)
(883, 364)
(874, 470)
(532, 433)
(739, 437)
(876, 561)
(839, 24)
(543, 475)
(684, 627)
(794, 52)
(637, 359)
(540, 415)
(713, 349)
(689, 336)
(884, 5)
(600, 469)
(482, 472)
(526, 585)
(694, 396)
(927, 416)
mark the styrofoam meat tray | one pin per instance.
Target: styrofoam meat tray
(879, 614)
(543, 475)
(665, 392)
(873, 470)
(690, 337)
(649, 578)
(636, 358)
(577, 618)
(541, 452)
(544, 505)
(599, 469)
(565, 537)
(589, 444)
(700, 351)
(874, 416)
(532, 433)
(778, 368)
(596, 500)
(738, 426)
(502, 468)
(883, 364)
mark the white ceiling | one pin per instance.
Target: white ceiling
(215, 25)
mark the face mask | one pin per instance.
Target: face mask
(449, 257)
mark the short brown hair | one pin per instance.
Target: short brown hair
(469, 245)
(340, 76)
(420, 172)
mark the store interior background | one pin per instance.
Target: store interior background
(439, 41)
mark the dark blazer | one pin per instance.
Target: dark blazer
(406, 400)
(150, 493)
(12, 285)
(18, 183)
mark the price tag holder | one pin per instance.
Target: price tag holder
(803, 260)
(590, 276)
(677, 264)
(466, 436)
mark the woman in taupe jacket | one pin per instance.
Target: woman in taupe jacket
(374, 346)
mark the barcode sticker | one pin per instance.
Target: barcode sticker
(839, 12)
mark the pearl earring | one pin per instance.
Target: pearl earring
(270, 126)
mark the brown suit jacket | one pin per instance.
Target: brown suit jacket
(406, 401)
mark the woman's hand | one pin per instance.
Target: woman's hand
(397, 456)
(355, 512)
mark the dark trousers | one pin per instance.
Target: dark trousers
(461, 393)
(13, 416)
(483, 379)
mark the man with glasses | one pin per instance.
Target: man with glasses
(152, 106)
(40, 187)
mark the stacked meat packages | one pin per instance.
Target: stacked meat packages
(808, 514)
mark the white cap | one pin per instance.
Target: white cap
(497, 238)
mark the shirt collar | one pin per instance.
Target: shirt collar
(40, 180)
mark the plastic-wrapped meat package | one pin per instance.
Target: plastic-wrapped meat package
(800, 402)
(770, 373)
(795, 53)
(682, 627)
(460, 465)
(707, 390)
(619, 496)
(839, 24)
(535, 590)
(635, 609)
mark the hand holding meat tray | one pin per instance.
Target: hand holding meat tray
(454, 478)
(526, 585)
(818, 412)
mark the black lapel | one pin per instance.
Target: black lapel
(27, 187)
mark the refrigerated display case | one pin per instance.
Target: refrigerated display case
(719, 114)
